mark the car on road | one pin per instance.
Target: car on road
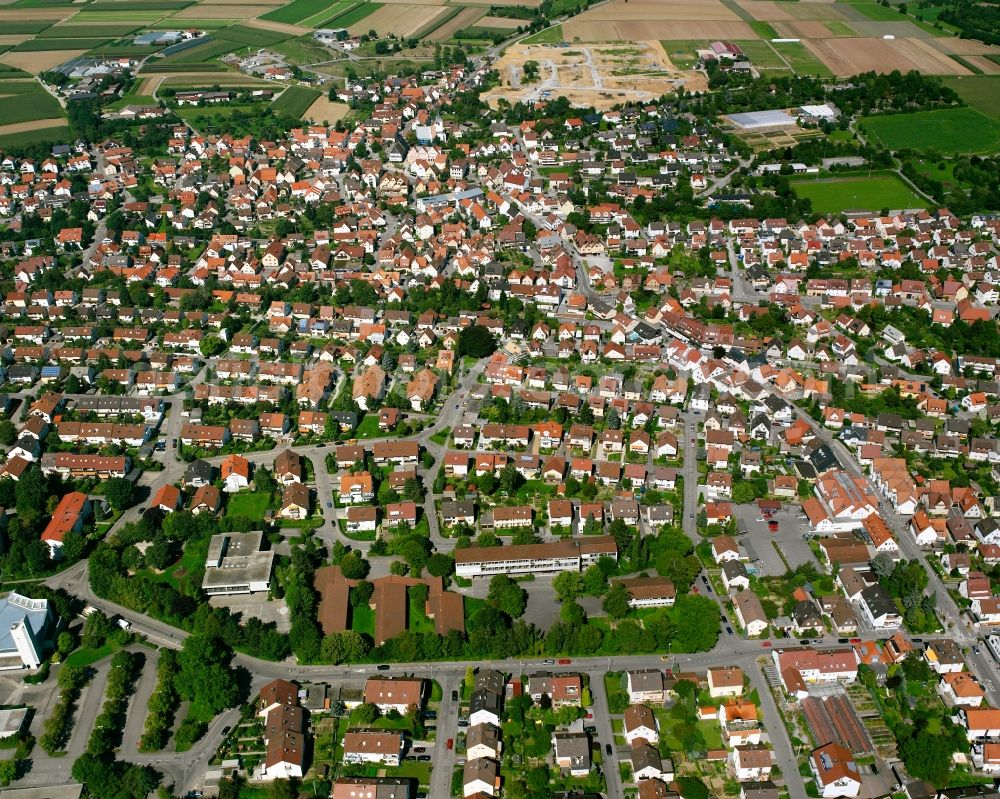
(665, 658)
(772, 526)
(564, 661)
(226, 729)
(843, 640)
(382, 667)
(419, 749)
(975, 650)
(329, 504)
(454, 696)
(766, 644)
(855, 640)
(161, 446)
(451, 743)
(607, 748)
(589, 716)
(173, 443)
(424, 758)
(590, 728)
(729, 630)
(549, 662)
(704, 579)
(320, 445)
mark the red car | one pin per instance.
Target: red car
(451, 743)
(564, 661)
(765, 644)
(772, 526)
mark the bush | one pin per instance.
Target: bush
(188, 732)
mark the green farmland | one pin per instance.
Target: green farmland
(950, 130)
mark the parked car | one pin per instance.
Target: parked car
(451, 743)
(607, 748)
(382, 667)
(765, 644)
(454, 696)
(564, 661)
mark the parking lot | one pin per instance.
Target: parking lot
(759, 542)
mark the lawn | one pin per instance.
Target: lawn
(553, 35)
(417, 621)
(761, 54)
(251, 504)
(979, 91)
(368, 427)
(55, 135)
(87, 657)
(835, 195)
(950, 130)
(683, 53)
(295, 100)
(363, 620)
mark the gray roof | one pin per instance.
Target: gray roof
(15, 608)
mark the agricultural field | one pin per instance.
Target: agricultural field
(979, 91)
(951, 130)
(295, 100)
(835, 195)
(27, 111)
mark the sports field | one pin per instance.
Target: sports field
(858, 193)
(951, 130)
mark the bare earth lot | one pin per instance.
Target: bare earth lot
(41, 61)
(598, 74)
(850, 56)
(465, 18)
(402, 20)
(326, 110)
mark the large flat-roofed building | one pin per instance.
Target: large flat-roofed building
(751, 120)
(25, 624)
(572, 555)
(236, 564)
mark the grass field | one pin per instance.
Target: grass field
(801, 60)
(835, 195)
(200, 52)
(116, 30)
(251, 37)
(331, 12)
(54, 135)
(879, 13)
(293, 13)
(761, 54)
(40, 45)
(251, 504)
(13, 26)
(355, 15)
(979, 91)
(951, 130)
(552, 35)
(764, 29)
(23, 101)
(295, 100)
(139, 5)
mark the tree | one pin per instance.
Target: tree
(120, 493)
(354, 566)
(476, 341)
(616, 602)
(96, 630)
(470, 678)
(211, 346)
(507, 596)
(264, 480)
(692, 788)
(697, 619)
(365, 714)
(361, 594)
(567, 585)
(594, 580)
(440, 565)
(204, 676)
(614, 419)
(8, 432)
